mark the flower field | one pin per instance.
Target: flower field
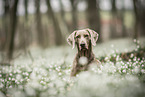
(122, 73)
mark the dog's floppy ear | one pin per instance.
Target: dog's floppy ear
(71, 39)
(94, 36)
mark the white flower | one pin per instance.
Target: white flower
(1, 85)
(30, 91)
(136, 70)
(18, 77)
(143, 71)
(19, 94)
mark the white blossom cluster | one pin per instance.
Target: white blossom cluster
(53, 80)
(49, 76)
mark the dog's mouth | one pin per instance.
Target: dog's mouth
(83, 48)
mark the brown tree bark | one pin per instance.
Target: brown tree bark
(114, 19)
(124, 33)
(74, 15)
(13, 24)
(136, 32)
(26, 9)
(58, 34)
(93, 15)
(26, 31)
(142, 16)
(6, 21)
(40, 34)
(62, 12)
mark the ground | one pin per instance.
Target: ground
(48, 74)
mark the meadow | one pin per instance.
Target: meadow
(47, 73)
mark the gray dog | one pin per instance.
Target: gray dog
(84, 39)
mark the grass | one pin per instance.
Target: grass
(122, 73)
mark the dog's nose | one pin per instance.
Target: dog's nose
(82, 44)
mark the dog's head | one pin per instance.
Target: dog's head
(82, 38)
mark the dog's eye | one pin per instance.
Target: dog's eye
(78, 36)
(85, 35)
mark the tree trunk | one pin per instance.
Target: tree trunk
(13, 24)
(65, 26)
(114, 19)
(6, 6)
(26, 31)
(114, 9)
(74, 14)
(136, 20)
(26, 9)
(58, 34)
(93, 15)
(124, 33)
(40, 34)
(6, 21)
(139, 11)
(142, 17)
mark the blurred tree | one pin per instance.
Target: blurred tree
(40, 33)
(93, 15)
(74, 14)
(6, 21)
(136, 20)
(124, 33)
(13, 24)
(26, 9)
(114, 9)
(114, 19)
(62, 12)
(139, 11)
(58, 34)
(6, 6)
(27, 32)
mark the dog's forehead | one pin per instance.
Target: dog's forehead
(82, 32)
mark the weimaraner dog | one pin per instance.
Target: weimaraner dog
(83, 39)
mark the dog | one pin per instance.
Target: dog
(83, 39)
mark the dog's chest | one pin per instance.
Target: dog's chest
(83, 63)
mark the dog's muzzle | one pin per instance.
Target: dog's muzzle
(83, 46)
